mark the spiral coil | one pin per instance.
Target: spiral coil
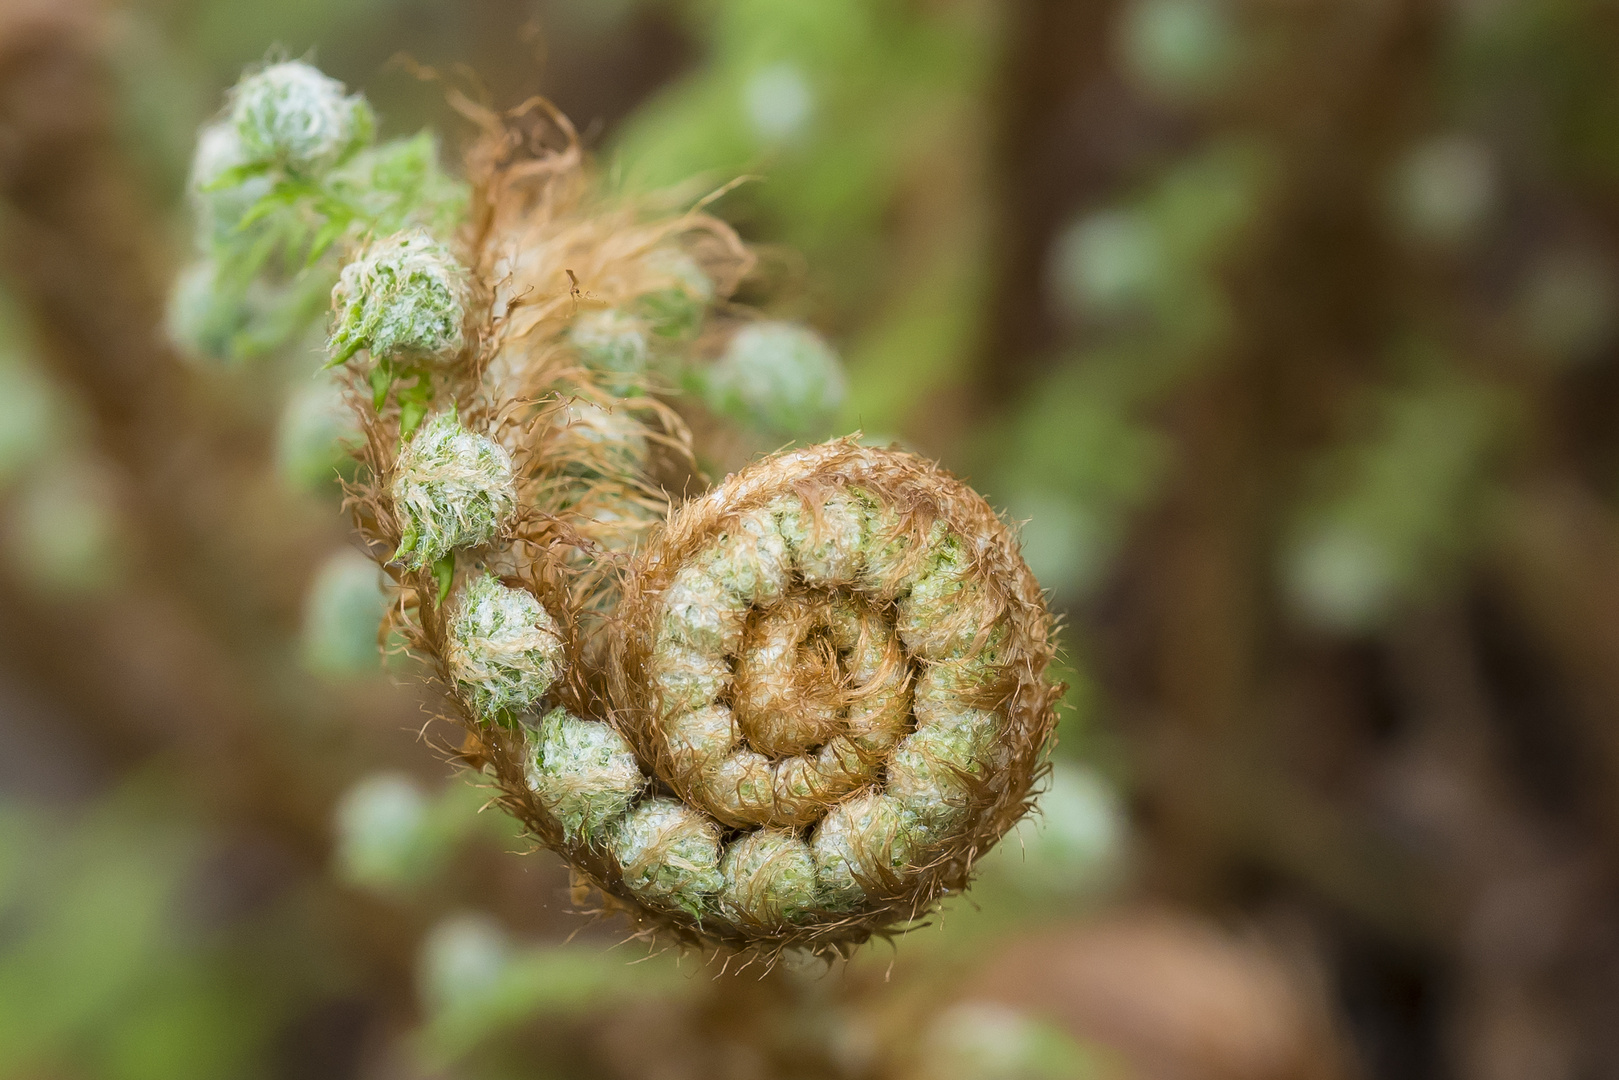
(789, 712)
(835, 659)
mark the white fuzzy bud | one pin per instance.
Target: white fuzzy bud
(584, 773)
(750, 558)
(688, 679)
(452, 488)
(779, 377)
(670, 855)
(948, 607)
(928, 774)
(828, 547)
(864, 839)
(504, 649)
(404, 296)
(769, 880)
(289, 114)
(701, 613)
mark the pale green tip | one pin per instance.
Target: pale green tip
(402, 298)
(769, 880)
(291, 115)
(584, 773)
(504, 649)
(452, 488)
(670, 855)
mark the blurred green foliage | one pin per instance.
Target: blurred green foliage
(104, 973)
(844, 110)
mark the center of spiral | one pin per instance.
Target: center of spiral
(795, 672)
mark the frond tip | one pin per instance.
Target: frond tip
(291, 115)
(403, 297)
(790, 712)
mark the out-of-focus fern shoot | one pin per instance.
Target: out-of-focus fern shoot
(1180, 50)
(202, 318)
(292, 116)
(1397, 508)
(219, 201)
(381, 827)
(779, 101)
(977, 1040)
(676, 309)
(344, 604)
(1106, 263)
(615, 345)
(31, 413)
(399, 184)
(1344, 577)
(316, 436)
(1444, 189)
(463, 961)
(779, 378)
(64, 528)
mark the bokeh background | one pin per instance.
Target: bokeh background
(1288, 328)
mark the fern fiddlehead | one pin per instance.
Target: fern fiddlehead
(837, 655)
(788, 712)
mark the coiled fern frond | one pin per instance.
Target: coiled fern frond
(791, 710)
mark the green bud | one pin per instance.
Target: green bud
(400, 183)
(947, 609)
(927, 774)
(204, 316)
(452, 488)
(750, 558)
(504, 649)
(687, 679)
(675, 307)
(769, 880)
(584, 773)
(219, 208)
(344, 604)
(403, 297)
(861, 839)
(670, 855)
(291, 115)
(778, 377)
(828, 548)
(701, 613)
(315, 436)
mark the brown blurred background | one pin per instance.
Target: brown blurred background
(1287, 327)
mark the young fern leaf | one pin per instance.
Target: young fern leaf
(790, 712)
